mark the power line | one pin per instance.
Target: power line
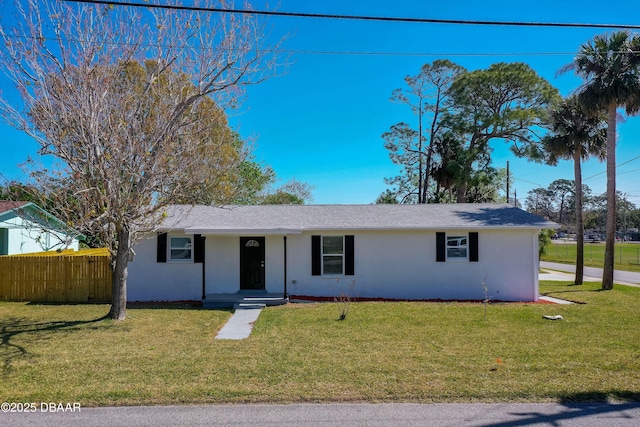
(328, 52)
(617, 166)
(592, 176)
(625, 172)
(358, 17)
(528, 182)
(439, 54)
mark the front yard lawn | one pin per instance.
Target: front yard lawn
(391, 352)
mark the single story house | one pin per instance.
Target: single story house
(395, 252)
(27, 228)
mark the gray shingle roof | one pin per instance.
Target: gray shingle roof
(278, 219)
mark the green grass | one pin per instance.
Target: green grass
(627, 255)
(391, 352)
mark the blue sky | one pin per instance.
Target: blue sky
(321, 120)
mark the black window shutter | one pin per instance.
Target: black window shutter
(349, 256)
(316, 256)
(162, 247)
(473, 247)
(441, 247)
(198, 248)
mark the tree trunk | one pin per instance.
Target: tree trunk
(119, 281)
(462, 193)
(577, 169)
(607, 276)
(420, 162)
(427, 172)
(561, 210)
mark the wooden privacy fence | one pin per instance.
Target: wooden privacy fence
(68, 276)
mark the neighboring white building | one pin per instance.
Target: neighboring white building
(396, 252)
(26, 228)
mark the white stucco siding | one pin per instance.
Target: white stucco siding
(387, 264)
(508, 264)
(222, 255)
(223, 263)
(182, 281)
(402, 265)
(150, 280)
(274, 263)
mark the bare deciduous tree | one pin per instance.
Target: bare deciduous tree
(129, 101)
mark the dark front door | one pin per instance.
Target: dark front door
(252, 263)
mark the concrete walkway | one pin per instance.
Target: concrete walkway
(240, 324)
(554, 300)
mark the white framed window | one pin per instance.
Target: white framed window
(180, 248)
(332, 255)
(457, 247)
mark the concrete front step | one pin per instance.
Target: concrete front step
(246, 305)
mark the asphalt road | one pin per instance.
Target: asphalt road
(366, 414)
(619, 276)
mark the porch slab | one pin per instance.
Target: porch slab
(229, 300)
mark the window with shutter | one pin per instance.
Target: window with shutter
(457, 247)
(332, 255)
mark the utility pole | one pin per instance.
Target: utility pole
(507, 181)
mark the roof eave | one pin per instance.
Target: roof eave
(236, 231)
(281, 230)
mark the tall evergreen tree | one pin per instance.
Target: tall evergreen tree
(578, 136)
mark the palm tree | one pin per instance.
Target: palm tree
(610, 65)
(575, 135)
